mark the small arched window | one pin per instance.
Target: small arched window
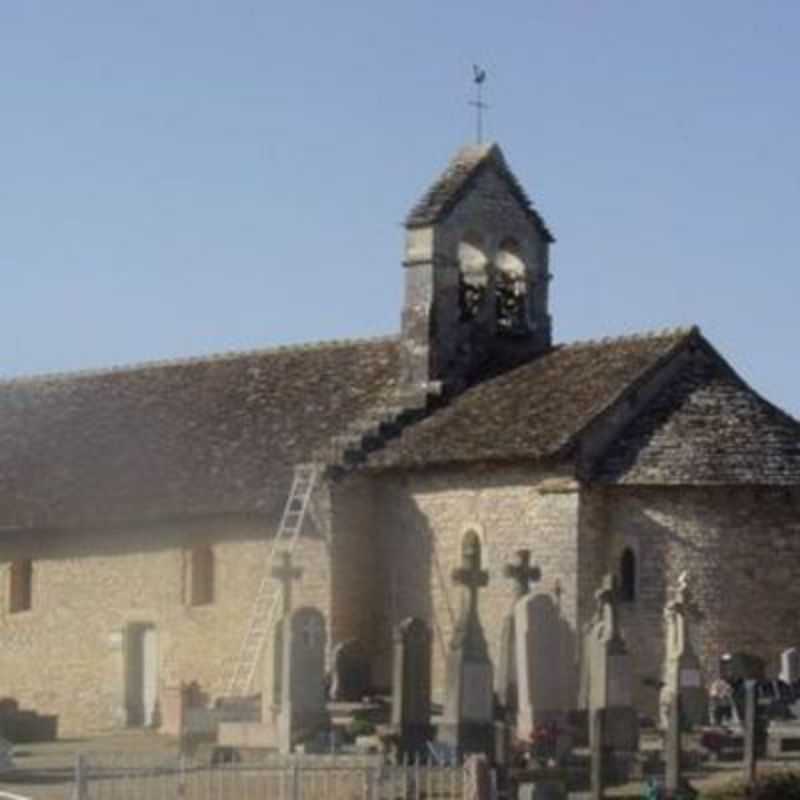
(20, 594)
(511, 289)
(627, 576)
(473, 275)
(201, 578)
(471, 544)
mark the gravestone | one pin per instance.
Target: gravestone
(303, 710)
(540, 671)
(411, 686)
(522, 573)
(790, 666)
(351, 676)
(611, 673)
(682, 672)
(469, 700)
(6, 749)
(284, 573)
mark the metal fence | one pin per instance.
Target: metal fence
(138, 777)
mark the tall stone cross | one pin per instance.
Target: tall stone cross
(286, 573)
(523, 573)
(606, 599)
(471, 576)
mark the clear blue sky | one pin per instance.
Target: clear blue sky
(180, 177)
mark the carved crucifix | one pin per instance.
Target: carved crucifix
(523, 573)
(286, 574)
(469, 574)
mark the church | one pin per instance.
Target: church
(142, 506)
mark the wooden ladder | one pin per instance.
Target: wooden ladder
(265, 609)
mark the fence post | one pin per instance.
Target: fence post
(81, 789)
(181, 776)
(295, 782)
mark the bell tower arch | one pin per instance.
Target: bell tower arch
(477, 273)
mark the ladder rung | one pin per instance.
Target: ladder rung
(265, 604)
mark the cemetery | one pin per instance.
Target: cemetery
(510, 732)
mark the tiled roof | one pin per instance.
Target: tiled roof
(453, 183)
(706, 427)
(535, 411)
(202, 435)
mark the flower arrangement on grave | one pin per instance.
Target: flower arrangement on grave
(539, 746)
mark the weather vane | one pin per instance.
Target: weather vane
(478, 77)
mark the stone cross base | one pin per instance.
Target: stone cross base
(467, 737)
(295, 725)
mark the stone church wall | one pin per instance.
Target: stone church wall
(419, 522)
(64, 656)
(741, 546)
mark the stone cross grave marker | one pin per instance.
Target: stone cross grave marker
(682, 671)
(790, 665)
(611, 673)
(303, 709)
(469, 699)
(523, 574)
(285, 573)
(411, 686)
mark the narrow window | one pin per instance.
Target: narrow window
(201, 581)
(20, 586)
(627, 576)
(471, 546)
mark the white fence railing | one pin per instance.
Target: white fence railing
(270, 778)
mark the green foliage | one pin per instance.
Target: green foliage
(772, 786)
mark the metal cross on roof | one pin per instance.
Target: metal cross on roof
(478, 78)
(286, 573)
(522, 572)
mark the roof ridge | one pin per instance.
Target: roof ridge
(676, 332)
(228, 355)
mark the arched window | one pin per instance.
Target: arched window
(473, 275)
(511, 289)
(201, 578)
(471, 547)
(627, 576)
(20, 594)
